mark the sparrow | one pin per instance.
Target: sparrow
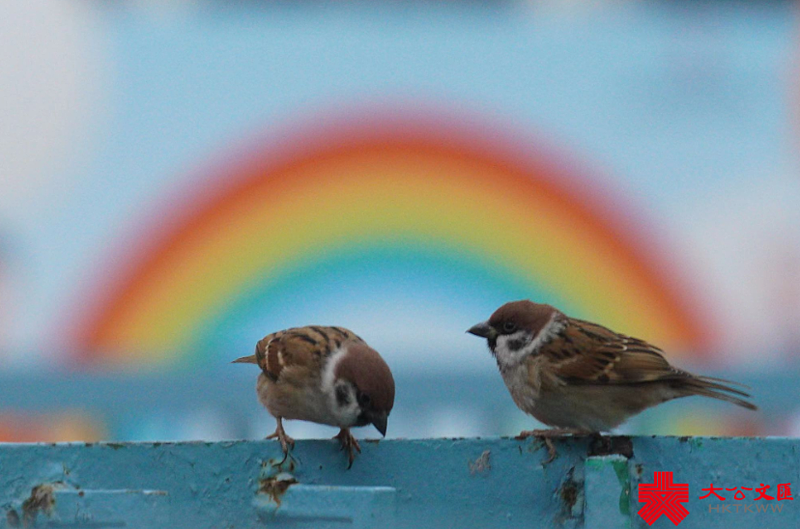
(326, 375)
(581, 377)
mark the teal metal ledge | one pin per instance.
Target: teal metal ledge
(444, 483)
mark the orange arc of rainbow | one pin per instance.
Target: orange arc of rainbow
(515, 216)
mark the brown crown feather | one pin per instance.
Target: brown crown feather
(365, 368)
(524, 313)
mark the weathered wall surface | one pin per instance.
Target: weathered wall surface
(464, 483)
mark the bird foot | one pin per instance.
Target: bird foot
(549, 433)
(547, 438)
(348, 443)
(286, 441)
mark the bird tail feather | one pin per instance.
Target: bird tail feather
(719, 388)
(246, 360)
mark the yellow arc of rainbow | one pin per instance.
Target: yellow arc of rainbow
(514, 215)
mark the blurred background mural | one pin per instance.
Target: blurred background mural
(179, 179)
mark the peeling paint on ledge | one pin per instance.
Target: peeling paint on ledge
(468, 483)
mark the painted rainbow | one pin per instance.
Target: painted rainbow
(409, 192)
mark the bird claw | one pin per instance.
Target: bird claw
(551, 451)
(348, 442)
(547, 438)
(286, 441)
(533, 433)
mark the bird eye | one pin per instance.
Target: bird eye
(363, 400)
(509, 327)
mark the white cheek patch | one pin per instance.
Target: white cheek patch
(344, 407)
(347, 415)
(328, 372)
(512, 349)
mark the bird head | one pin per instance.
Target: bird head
(513, 328)
(364, 384)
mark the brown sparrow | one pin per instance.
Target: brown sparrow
(326, 375)
(581, 377)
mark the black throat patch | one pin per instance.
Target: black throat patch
(518, 343)
(342, 396)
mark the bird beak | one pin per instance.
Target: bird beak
(484, 330)
(246, 360)
(379, 421)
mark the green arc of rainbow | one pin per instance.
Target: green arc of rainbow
(385, 186)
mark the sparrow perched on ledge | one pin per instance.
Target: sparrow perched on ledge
(581, 377)
(326, 375)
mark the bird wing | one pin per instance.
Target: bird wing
(589, 353)
(299, 347)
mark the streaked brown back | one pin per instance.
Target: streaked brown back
(300, 346)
